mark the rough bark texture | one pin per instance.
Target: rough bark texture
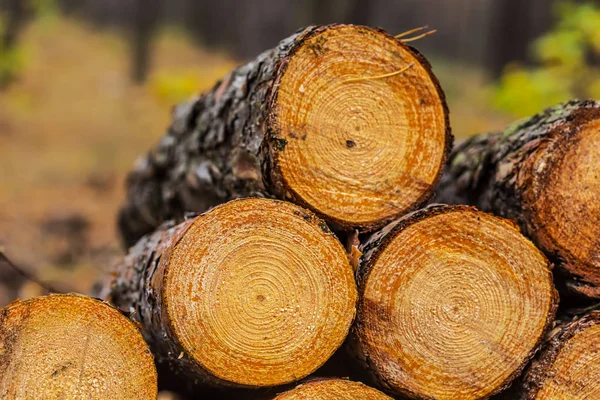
(137, 287)
(220, 145)
(213, 150)
(371, 249)
(539, 370)
(493, 172)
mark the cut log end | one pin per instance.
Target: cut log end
(569, 366)
(259, 292)
(454, 303)
(562, 199)
(71, 346)
(332, 389)
(357, 147)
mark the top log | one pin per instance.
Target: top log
(313, 121)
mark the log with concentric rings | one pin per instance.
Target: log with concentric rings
(253, 293)
(454, 302)
(72, 347)
(568, 366)
(321, 120)
(332, 389)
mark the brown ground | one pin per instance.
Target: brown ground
(70, 128)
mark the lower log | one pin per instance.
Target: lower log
(332, 389)
(71, 346)
(254, 293)
(568, 367)
(453, 304)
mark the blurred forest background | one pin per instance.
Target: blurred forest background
(87, 85)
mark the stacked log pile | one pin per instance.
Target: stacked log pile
(281, 243)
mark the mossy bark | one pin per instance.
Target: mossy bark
(493, 171)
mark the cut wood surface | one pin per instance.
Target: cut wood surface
(453, 303)
(72, 347)
(254, 293)
(542, 173)
(332, 389)
(313, 121)
(568, 366)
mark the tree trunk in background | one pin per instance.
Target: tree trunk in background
(359, 12)
(145, 24)
(16, 15)
(321, 11)
(205, 19)
(514, 24)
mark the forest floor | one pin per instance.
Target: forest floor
(73, 124)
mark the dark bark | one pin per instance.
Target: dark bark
(136, 288)
(493, 172)
(212, 150)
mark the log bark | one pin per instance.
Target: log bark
(543, 174)
(254, 293)
(568, 366)
(311, 121)
(453, 304)
(72, 346)
(332, 389)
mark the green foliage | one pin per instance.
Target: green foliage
(44, 8)
(11, 60)
(564, 67)
(11, 63)
(174, 87)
